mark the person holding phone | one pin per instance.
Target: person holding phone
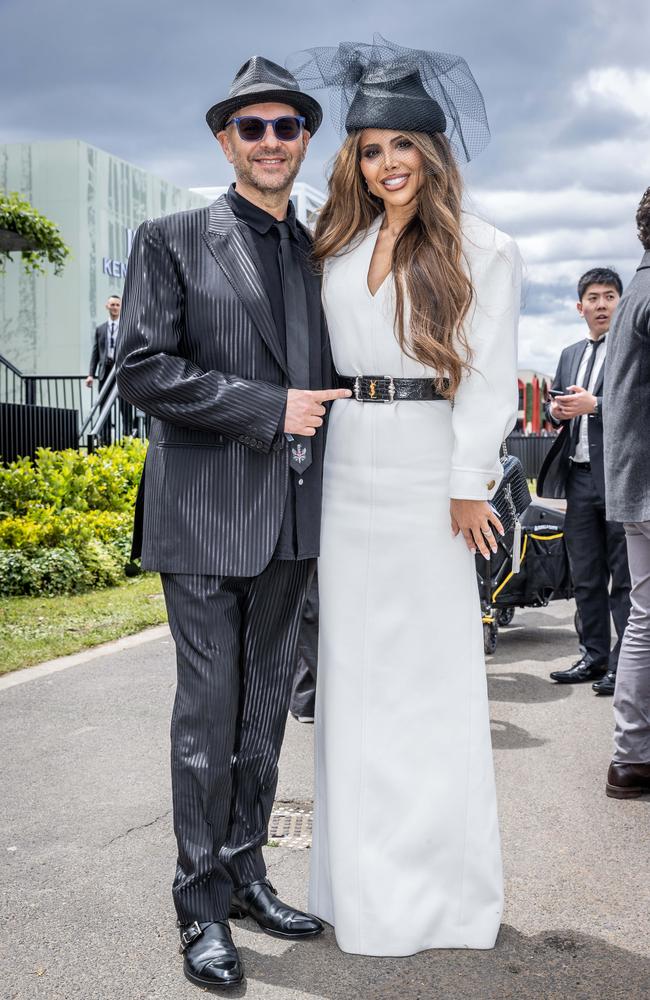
(574, 469)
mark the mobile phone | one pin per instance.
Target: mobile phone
(558, 392)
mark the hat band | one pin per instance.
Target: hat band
(259, 87)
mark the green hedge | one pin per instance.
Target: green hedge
(65, 519)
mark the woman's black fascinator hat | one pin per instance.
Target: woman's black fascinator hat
(389, 86)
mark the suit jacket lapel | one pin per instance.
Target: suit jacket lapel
(229, 248)
(575, 363)
(576, 358)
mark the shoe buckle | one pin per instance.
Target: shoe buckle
(189, 935)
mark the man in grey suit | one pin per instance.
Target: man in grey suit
(223, 343)
(102, 361)
(627, 482)
(574, 469)
(102, 356)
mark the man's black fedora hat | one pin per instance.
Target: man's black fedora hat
(259, 80)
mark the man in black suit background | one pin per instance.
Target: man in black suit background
(102, 361)
(574, 469)
(225, 346)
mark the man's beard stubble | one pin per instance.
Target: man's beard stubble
(245, 171)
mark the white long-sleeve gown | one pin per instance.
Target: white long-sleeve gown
(406, 853)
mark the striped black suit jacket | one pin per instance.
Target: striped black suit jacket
(199, 351)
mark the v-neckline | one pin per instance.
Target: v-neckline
(373, 244)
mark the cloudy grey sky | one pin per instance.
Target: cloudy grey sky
(566, 86)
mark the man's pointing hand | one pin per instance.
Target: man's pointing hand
(305, 410)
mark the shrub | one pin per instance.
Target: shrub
(45, 527)
(106, 480)
(53, 571)
(65, 519)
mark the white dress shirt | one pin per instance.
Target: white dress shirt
(111, 339)
(582, 449)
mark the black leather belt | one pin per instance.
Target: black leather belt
(581, 465)
(386, 389)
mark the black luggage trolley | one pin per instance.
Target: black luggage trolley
(544, 573)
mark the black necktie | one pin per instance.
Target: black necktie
(575, 433)
(297, 334)
(112, 340)
(595, 344)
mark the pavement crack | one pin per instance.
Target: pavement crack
(135, 829)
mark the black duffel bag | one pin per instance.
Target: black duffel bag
(544, 573)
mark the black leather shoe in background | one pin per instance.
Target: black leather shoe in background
(259, 901)
(627, 781)
(607, 684)
(211, 959)
(582, 670)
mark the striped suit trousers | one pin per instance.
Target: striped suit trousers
(236, 643)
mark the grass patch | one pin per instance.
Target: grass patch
(33, 629)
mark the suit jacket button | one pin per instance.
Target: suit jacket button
(491, 484)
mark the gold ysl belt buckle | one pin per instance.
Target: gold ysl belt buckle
(368, 390)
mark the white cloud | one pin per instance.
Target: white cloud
(534, 211)
(578, 243)
(561, 233)
(615, 87)
(542, 338)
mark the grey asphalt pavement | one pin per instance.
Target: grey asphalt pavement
(87, 847)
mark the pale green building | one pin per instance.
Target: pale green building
(97, 200)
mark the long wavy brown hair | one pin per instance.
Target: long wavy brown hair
(427, 260)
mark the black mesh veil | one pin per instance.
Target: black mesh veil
(385, 85)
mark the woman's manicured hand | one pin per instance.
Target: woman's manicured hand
(477, 523)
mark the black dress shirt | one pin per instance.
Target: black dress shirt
(297, 536)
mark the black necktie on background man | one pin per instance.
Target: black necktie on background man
(575, 431)
(296, 323)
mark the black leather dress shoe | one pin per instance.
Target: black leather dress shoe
(211, 959)
(607, 684)
(581, 671)
(627, 781)
(259, 901)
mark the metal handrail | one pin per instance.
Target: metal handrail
(105, 418)
(12, 368)
(109, 385)
(58, 391)
(104, 413)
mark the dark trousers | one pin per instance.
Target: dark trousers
(303, 697)
(235, 648)
(598, 556)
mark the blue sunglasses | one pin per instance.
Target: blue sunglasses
(250, 128)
